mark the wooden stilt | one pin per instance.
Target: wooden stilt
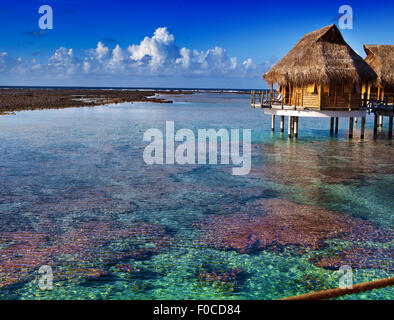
(362, 128)
(336, 125)
(351, 127)
(380, 121)
(289, 127)
(295, 127)
(273, 123)
(282, 123)
(331, 125)
(375, 124)
(390, 126)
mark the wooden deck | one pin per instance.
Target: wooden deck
(264, 99)
(270, 103)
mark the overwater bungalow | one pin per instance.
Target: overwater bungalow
(381, 59)
(322, 76)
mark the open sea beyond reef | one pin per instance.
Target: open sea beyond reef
(75, 194)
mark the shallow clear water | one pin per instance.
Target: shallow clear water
(75, 194)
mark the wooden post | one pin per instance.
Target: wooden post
(292, 125)
(365, 100)
(380, 121)
(390, 126)
(331, 125)
(289, 127)
(362, 127)
(295, 127)
(273, 123)
(336, 125)
(351, 127)
(282, 123)
(375, 123)
(320, 96)
(369, 91)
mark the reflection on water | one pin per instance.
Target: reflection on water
(75, 194)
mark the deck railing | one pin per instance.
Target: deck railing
(373, 104)
(267, 99)
(264, 98)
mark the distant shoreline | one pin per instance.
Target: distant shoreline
(37, 98)
(22, 99)
(131, 88)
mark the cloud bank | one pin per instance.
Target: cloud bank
(157, 55)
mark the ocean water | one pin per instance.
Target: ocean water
(76, 195)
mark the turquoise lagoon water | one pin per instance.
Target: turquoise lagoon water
(76, 195)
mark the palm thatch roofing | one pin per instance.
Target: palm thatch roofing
(381, 59)
(321, 56)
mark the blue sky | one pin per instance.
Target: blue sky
(222, 44)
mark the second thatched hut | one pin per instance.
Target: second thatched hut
(321, 72)
(381, 59)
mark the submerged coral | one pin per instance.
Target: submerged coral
(76, 252)
(279, 222)
(357, 257)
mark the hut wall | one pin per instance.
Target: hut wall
(341, 96)
(337, 96)
(374, 93)
(302, 96)
(389, 91)
(349, 101)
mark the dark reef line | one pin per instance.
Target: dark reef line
(18, 99)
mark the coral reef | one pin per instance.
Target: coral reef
(278, 223)
(357, 257)
(32, 99)
(77, 252)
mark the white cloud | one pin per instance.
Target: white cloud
(101, 51)
(156, 51)
(63, 63)
(156, 55)
(118, 59)
(9, 65)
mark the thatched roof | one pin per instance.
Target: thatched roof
(381, 59)
(320, 57)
